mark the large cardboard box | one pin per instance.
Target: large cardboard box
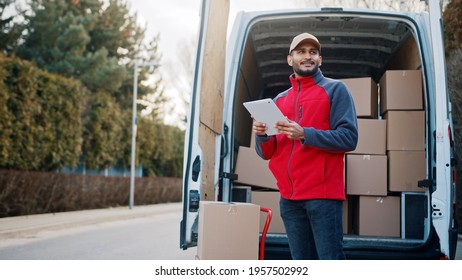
(365, 96)
(405, 169)
(228, 231)
(379, 216)
(269, 199)
(366, 175)
(372, 137)
(401, 90)
(253, 170)
(405, 130)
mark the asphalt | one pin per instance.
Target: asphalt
(24, 229)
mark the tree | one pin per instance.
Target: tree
(96, 42)
(92, 42)
(58, 39)
(452, 18)
(10, 31)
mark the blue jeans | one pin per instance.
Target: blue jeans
(314, 228)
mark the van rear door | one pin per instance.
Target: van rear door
(443, 196)
(203, 134)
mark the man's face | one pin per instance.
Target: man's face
(305, 59)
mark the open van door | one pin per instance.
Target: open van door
(443, 195)
(203, 134)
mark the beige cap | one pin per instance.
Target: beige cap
(302, 37)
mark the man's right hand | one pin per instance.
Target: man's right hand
(259, 128)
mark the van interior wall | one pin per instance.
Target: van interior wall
(247, 89)
(406, 57)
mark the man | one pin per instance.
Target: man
(307, 157)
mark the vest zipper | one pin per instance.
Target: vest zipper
(293, 141)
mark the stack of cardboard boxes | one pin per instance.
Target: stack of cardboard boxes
(254, 172)
(390, 157)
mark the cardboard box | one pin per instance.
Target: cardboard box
(366, 175)
(228, 231)
(405, 130)
(365, 96)
(269, 199)
(252, 139)
(347, 216)
(405, 169)
(379, 216)
(401, 90)
(253, 170)
(372, 137)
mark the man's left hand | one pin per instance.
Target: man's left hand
(291, 129)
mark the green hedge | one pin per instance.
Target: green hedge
(48, 122)
(40, 117)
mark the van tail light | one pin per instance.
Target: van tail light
(451, 142)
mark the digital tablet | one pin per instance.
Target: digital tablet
(265, 111)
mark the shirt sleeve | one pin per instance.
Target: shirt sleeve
(343, 132)
(265, 146)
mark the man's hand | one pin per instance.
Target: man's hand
(259, 128)
(291, 129)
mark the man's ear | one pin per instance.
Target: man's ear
(289, 60)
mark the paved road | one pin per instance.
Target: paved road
(143, 233)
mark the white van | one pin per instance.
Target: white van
(355, 44)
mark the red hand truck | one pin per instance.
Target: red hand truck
(269, 216)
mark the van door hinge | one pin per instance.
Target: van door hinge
(229, 176)
(426, 183)
(437, 210)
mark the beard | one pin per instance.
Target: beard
(305, 73)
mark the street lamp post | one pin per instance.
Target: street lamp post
(134, 128)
